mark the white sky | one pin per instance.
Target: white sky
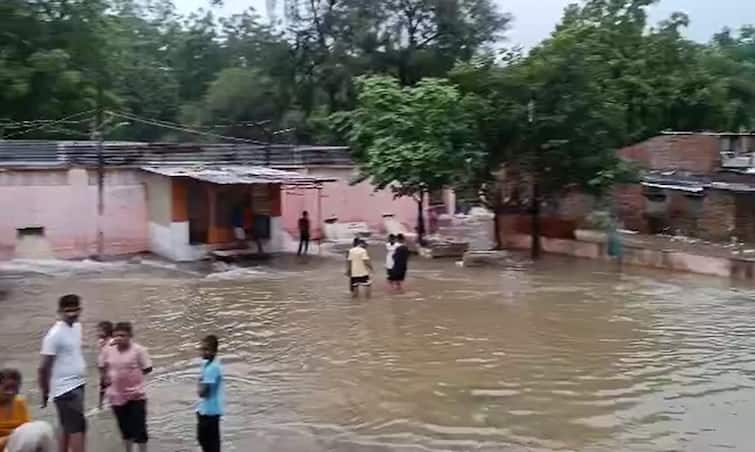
(535, 19)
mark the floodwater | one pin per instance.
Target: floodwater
(567, 355)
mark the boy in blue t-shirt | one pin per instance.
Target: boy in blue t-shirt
(210, 406)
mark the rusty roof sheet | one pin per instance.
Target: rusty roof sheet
(228, 175)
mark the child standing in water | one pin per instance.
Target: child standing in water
(104, 339)
(123, 367)
(13, 410)
(17, 431)
(210, 391)
(104, 333)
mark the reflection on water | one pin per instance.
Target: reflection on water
(565, 356)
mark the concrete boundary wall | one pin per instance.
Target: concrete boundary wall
(64, 203)
(736, 268)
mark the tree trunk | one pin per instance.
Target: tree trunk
(421, 219)
(535, 215)
(497, 230)
(497, 207)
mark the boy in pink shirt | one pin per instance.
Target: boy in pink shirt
(123, 367)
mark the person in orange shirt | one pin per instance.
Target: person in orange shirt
(17, 431)
(13, 410)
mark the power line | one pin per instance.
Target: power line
(50, 124)
(28, 124)
(180, 128)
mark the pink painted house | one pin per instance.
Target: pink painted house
(348, 203)
(50, 189)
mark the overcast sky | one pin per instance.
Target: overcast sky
(535, 19)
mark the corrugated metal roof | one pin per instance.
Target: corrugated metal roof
(133, 154)
(690, 183)
(685, 188)
(18, 152)
(229, 175)
(734, 186)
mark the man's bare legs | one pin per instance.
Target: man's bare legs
(76, 442)
(63, 442)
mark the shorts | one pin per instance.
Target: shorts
(70, 408)
(132, 420)
(239, 233)
(208, 433)
(397, 274)
(357, 281)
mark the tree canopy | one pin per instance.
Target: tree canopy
(411, 139)
(142, 57)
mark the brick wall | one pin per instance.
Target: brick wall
(698, 154)
(718, 216)
(695, 154)
(684, 213)
(575, 206)
(630, 206)
(745, 217)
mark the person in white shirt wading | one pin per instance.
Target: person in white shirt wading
(390, 249)
(62, 374)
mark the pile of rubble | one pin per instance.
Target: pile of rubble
(477, 228)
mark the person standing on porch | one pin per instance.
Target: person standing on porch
(304, 227)
(237, 221)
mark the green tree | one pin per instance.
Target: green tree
(731, 58)
(412, 140)
(237, 104)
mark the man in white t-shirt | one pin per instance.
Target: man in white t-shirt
(358, 268)
(62, 373)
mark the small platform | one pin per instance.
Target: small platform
(485, 258)
(238, 254)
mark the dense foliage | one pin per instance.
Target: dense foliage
(412, 139)
(222, 73)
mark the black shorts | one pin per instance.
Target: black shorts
(356, 281)
(70, 408)
(132, 420)
(208, 433)
(397, 274)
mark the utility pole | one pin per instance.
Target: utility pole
(99, 136)
(268, 144)
(535, 195)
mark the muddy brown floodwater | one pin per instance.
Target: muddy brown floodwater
(565, 355)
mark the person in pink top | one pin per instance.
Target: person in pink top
(104, 339)
(123, 367)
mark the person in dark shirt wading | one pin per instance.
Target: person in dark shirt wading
(397, 274)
